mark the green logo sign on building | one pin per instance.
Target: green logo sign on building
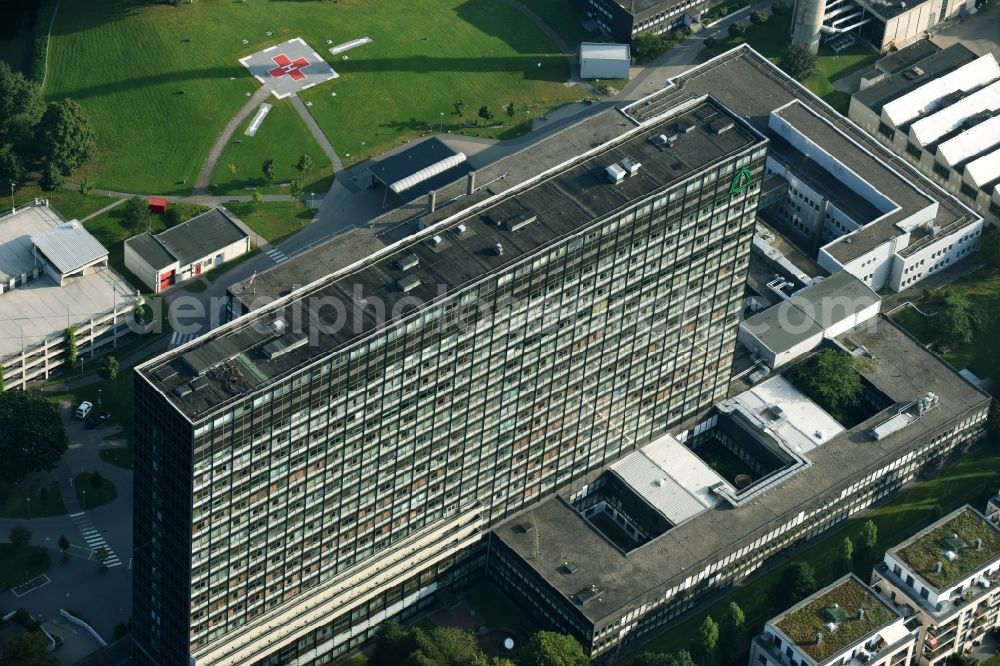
(741, 181)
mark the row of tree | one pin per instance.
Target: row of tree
(56, 138)
(445, 646)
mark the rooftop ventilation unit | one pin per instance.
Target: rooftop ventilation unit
(660, 141)
(721, 125)
(284, 345)
(927, 403)
(406, 263)
(895, 424)
(278, 327)
(498, 249)
(568, 568)
(183, 390)
(631, 166)
(615, 173)
(165, 373)
(434, 241)
(684, 126)
(586, 594)
(950, 555)
(525, 528)
(913, 73)
(408, 284)
(519, 222)
(459, 229)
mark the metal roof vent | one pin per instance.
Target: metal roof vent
(434, 241)
(459, 229)
(950, 555)
(406, 263)
(498, 249)
(278, 327)
(615, 173)
(721, 125)
(568, 568)
(631, 166)
(519, 222)
(685, 126)
(660, 141)
(408, 283)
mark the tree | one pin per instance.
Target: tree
(257, 198)
(845, 555)
(71, 351)
(20, 106)
(829, 379)
(295, 189)
(799, 581)
(737, 29)
(706, 638)
(28, 648)
(52, 178)
(798, 61)
(484, 112)
(510, 110)
(459, 107)
(547, 648)
(268, 168)
(957, 320)
(96, 480)
(64, 136)
(758, 17)
(305, 163)
(137, 217)
(108, 368)
(989, 246)
(733, 621)
(393, 645)
(20, 536)
(32, 437)
(869, 535)
(102, 558)
(440, 646)
(86, 186)
(647, 46)
(779, 8)
(233, 169)
(682, 658)
(64, 547)
(11, 168)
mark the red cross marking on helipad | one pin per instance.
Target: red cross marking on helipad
(292, 68)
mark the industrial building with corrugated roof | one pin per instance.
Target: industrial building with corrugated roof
(942, 113)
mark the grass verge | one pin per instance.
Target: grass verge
(273, 220)
(45, 500)
(21, 564)
(91, 496)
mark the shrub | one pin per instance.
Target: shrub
(712, 43)
(737, 30)
(780, 8)
(798, 61)
(96, 480)
(758, 17)
(52, 178)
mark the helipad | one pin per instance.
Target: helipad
(286, 69)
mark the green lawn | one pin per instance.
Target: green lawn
(426, 55)
(972, 480)
(95, 495)
(982, 355)
(19, 565)
(107, 229)
(282, 137)
(115, 397)
(67, 200)
(14, 504)
(770, 40)
(564, 19)
(273, 219)
(158, 110)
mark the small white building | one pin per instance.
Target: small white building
(844, 624)
(186, 250)
(826, 309)
(944, 579)
(604, 61)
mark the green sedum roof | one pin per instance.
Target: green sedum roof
(842, 601)
(922, 553)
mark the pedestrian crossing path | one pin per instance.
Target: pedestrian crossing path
(93, 537)
(177, 339)
(276, 255)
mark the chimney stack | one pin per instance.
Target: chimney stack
(861, 614)
(979, 544)
(470, 183)
(431, 201)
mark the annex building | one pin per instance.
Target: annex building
(942, 113)
(55, 276)
(336, 455)
(624, 19)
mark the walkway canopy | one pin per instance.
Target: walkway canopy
(414, 172)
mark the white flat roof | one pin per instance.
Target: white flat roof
(596, 51)
(985, 169)
(918, 102)
(804, 426)
(933, 127)
(971, 142)
(69, 247)
(15, 239)
(671, 478)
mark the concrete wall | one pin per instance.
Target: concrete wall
(603, 68)
(911, 25)
(934, 257)
(140, 268)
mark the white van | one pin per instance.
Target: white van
(83, 410)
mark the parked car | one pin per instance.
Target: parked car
(96, 420)
(83, 410)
